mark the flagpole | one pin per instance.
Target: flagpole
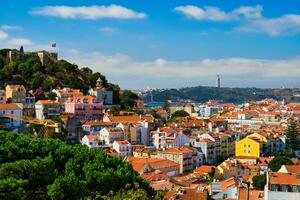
(54, 46)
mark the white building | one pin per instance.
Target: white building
(123, 147)
(101, 93)
(92, 141)
(207, 111)
(47, 109)
(169, 138)
(10, 109)
(282, 186)
(109, 135)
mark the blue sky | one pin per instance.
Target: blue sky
(165, 43)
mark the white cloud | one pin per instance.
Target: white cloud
(10, 27)
(88, 12)
(3, 35)
(284, 25)
(130, 73)
(206, 13)
(107, 29)
(248, 12)
(216, 14)
(250, 19)
(18, 42)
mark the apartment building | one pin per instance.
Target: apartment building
(92, 141)
(188, 158)
(214, 146)
(169, 138)
(94, 127)
(47, 109)
(84, 108)
(10, 109)
(249, 146)
(123, 147)
(64, 94)
(109, 135)
(15, 93)
(282, 186)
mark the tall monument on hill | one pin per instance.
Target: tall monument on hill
(218, 82)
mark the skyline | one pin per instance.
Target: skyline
(172, 44)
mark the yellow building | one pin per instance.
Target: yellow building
(16, 93)
(249, 147)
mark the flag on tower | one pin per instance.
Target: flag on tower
(53, 45)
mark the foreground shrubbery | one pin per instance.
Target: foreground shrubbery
(34, 168)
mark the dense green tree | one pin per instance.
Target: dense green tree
(138, 194)
(180, 113)
(277, 162)
(154, 114)
(51, 96)
(259, 182)
(289, 154)
(12, 189)
(67, 187)
(212, 173)
(127, 99)
(292, 134)
(36, 168)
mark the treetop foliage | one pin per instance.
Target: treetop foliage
(36, 168)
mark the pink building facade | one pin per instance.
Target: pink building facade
(84, 108)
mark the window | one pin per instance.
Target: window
(284, 188)
(12, 112)
(294, 188)
(274, 187)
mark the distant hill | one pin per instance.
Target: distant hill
(204, 94)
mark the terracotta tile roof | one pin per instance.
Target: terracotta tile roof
(9, 106)
(204, 169)
(121, 119)
(156, 163)
(186, 194)
(217, 119)
(155, 176)
(97, 123)
(122, 142)
(283, 178)
(265, 159)
(229, 183)
(205, 140)
(180, 150)
(292, 168)
(253, 194)
(92, 137)
(48, 102)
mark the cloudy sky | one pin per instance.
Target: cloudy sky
(165, 43)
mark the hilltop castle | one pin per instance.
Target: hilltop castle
(44, 56)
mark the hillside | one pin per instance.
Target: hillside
(29, 71)
(203, 94)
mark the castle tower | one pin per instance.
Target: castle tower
(218, 82)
